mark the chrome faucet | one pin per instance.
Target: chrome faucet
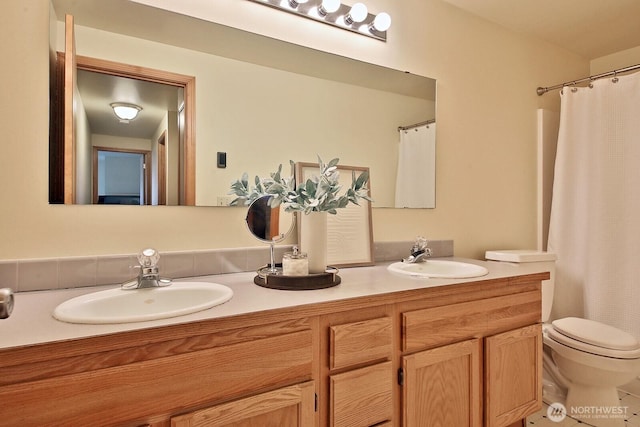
(148, 277)
(6, 302)
(419, 251)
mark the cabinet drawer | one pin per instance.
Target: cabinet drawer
(290, 406)
(359, 342)
(437, 326)
(362, 397)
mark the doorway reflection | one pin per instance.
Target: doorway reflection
(121, 177)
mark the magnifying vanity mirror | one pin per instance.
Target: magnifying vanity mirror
(253, 94)
(269, 225)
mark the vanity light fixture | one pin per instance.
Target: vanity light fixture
(125, 111)
(354, 18)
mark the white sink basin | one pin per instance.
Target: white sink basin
(138, 305)
(439, 268)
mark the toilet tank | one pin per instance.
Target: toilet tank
(547, 262)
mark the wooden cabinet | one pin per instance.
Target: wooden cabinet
(145, 377)
(292, 406)
(357, 363)
(454, 354)
(462, 355)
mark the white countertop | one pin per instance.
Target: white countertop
(32, 322)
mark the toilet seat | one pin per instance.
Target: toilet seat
(594, 337)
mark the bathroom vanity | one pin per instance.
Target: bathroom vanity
(377, 350)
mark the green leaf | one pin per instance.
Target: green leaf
(310, 188)
(362, 180)
(333, 163)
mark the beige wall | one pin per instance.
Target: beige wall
(616, 61)
(486, 135)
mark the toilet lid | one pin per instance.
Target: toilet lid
(596, 334)
(556, 336)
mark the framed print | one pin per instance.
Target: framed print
(350, 231)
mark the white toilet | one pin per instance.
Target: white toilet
(584, 360)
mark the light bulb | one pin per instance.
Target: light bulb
(382, 22)
(328, 6)
(358, 13)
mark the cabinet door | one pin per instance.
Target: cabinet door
(362, 397)
(292, 406)
(442, 386)
(513, 375)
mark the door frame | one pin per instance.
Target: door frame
(187, 185)
(162, 169)
(188, 83)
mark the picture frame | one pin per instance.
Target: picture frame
(350, 231)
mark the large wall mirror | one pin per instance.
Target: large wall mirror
(259, 101)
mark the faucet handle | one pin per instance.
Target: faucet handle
(6, 302)
(148, 258)
(148, 276)
(419, 246)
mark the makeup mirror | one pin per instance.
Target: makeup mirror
(269, 225)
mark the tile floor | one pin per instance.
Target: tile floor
(629, 397)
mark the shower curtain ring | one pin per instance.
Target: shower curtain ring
(615, 77)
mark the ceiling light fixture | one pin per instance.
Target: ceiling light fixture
(354, 18)
(125, 111)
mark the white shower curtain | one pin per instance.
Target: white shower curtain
(416, 174)
(595, 214)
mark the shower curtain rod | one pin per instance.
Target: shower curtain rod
(542, 90)
(417, 125)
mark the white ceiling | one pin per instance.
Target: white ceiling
(590, 28)
(99, 90)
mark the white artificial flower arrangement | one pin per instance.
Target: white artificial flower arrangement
(316, 194)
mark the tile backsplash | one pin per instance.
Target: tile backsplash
(73, 272)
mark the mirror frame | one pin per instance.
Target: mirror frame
(262, 203)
